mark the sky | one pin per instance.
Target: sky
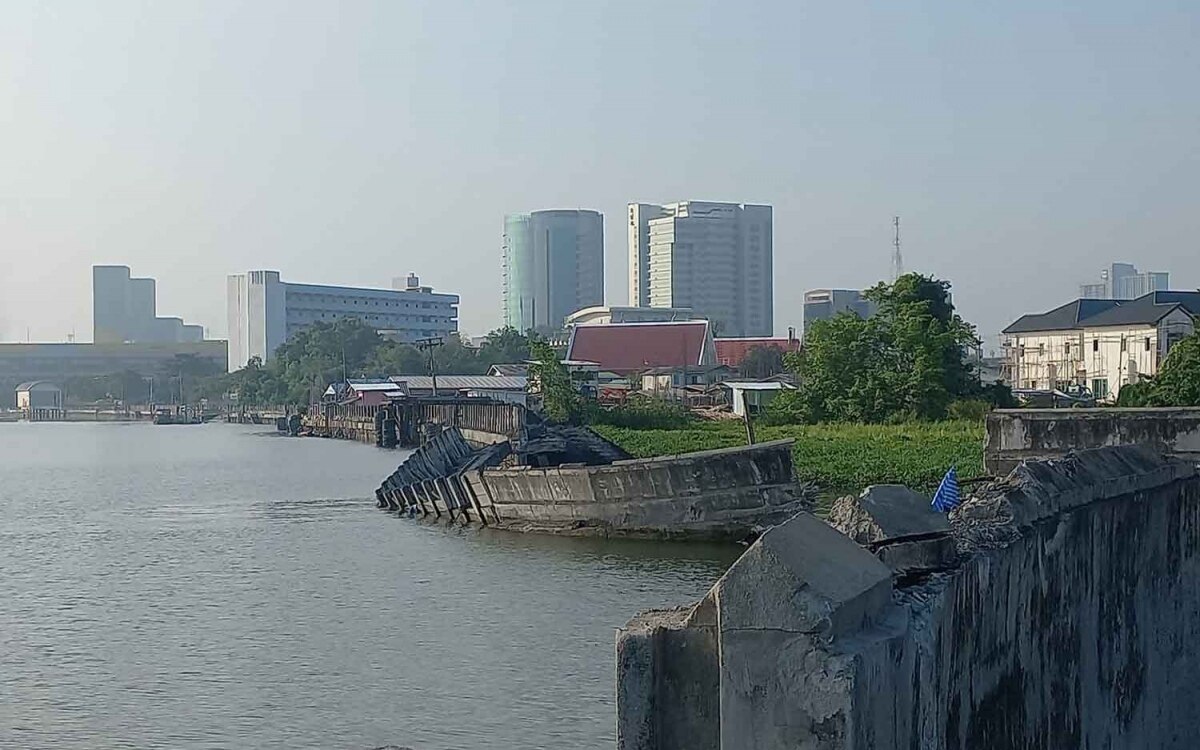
(1025, 145)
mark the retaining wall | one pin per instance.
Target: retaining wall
(697, 493)
(1069, 618)
(1015, 435)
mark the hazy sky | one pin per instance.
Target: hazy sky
(1025, 144)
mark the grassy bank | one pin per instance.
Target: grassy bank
(838, 457)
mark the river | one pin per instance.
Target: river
(219, 586)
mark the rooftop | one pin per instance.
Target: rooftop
(462, 382)
(632, 347)
(1098, 313)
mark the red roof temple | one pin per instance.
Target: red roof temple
(632, 347)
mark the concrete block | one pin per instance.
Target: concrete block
(803, 577)
(886, 513)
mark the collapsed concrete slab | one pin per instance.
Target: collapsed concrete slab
(899, 526)
(1070, 619)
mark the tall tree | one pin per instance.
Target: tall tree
(1177, 382)
(761, 362)
(908, 361)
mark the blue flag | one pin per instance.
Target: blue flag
(947, 498)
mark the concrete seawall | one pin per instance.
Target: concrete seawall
(1016, 435)
(1065, 615)
(720, 493)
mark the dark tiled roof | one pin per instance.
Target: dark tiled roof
(1148, 309)
(1062, 318)
(1106, 312)
(633, 347)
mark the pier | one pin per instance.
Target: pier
(404, 423)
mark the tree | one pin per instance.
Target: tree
(761, 362)
(1177, 382)
(560, 401)
(504, 346)
(908, 361)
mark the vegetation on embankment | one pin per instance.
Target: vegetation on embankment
(838, 457)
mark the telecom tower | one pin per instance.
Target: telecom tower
(897, 259)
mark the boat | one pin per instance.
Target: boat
(533, 484)
(170, 416)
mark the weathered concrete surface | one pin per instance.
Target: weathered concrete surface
(1016, 435)
(722, 493)
(900, 526)
(1070, 620)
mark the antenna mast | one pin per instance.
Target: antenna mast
(897, 259)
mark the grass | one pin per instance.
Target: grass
(840, 458)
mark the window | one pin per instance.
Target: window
(1095, 345)
(1067, 349)
(1147, 343)
(1100, 387)
(1041, 348)
(1124, 344)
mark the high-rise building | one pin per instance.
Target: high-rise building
(823, 304)
(715, 258)
(1124, 281)
(124, 311)
(265, 311)
(553, 266)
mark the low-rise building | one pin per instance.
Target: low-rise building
(1101, 345)
(752, 397)
(663, 382)
(418, 386)
(363, 392)
(731, 352)
(39, 400)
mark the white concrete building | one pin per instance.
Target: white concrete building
(607, 314)
(1124, 281)
(265, 311)
(39, 399)
(124, 311)
(715, 258)
(1100, 344)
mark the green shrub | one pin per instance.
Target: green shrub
(644, 414)
(973, 410)
(838, 457)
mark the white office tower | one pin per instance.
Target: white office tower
(715, 258)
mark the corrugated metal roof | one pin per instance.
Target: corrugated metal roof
(463, 382)
(759, 386)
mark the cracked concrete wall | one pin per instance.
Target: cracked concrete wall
(1069, 619)
(1016, 435)
(699, 490)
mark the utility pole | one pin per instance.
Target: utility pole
(897, 259)
(430, 345)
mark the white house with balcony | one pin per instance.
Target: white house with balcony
(1100, 344)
